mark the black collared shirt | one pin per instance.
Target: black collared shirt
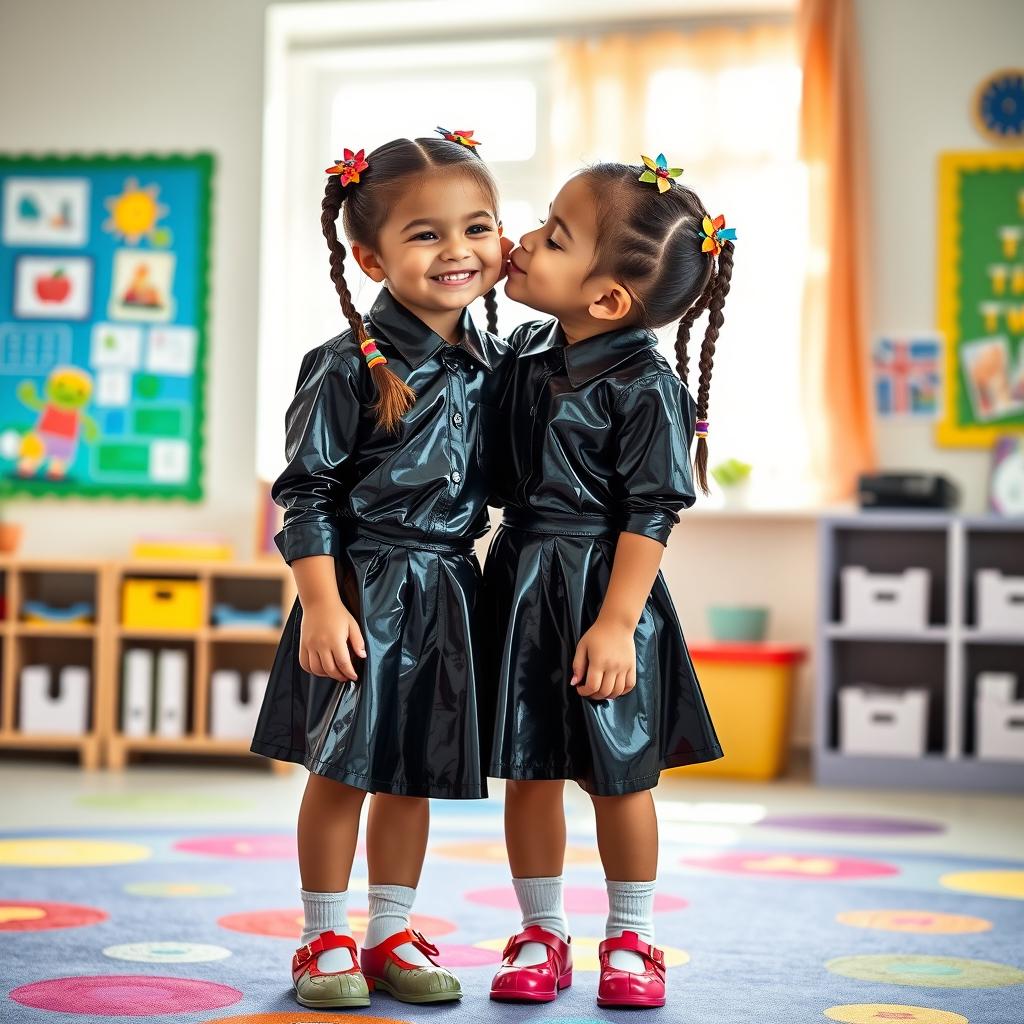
(601, 428)
(426, 477)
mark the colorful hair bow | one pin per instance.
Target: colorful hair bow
(659, 171)
(715, 233)
(350, 167)
(459, 135)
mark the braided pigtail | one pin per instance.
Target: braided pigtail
(688, 320)
(394, 396)
(716, 303)
(491, 305)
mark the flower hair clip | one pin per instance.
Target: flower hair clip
(349, 167)
(714, 234)
(659, 171)
(460, 135)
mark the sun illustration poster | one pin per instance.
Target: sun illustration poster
(104, 268)
(135, 213)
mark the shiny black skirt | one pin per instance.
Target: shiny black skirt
(543, 588)
(408, 725)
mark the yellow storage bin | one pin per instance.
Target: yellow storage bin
(749, 692)
(161, 604)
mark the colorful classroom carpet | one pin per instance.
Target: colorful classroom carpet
(198, 925)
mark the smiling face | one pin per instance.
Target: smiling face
(439, 248)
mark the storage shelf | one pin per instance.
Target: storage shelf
(944, 659)
(101, 644)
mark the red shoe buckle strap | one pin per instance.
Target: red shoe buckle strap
(421, 943)
(535, 934)
(323, 942)
(632, 942)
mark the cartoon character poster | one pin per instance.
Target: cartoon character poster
(103, 309)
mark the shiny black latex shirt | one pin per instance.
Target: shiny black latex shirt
(601, 428)
(426, 480)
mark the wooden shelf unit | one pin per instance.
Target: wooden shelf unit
(252, 585)
(24, 643)
(101, 645)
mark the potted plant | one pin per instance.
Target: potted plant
(10, 533)
(733, 477)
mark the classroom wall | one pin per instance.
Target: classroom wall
(139, 75)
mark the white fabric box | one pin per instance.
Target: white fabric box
(171, 692)
(998, 718)
(1000, 602)
(999, 729)
(66, 712)
(137, 692)
(896, 602)
(235, 704)
(882, 722)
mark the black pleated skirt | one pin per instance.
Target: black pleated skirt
(542, 591)
(408, 726)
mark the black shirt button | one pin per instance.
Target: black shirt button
(456, 476)
(457, 419)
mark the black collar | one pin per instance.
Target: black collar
(594, 357)
(415, 341)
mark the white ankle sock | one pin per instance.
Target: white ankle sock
(327, 912)
(390, 907)
(630, 909)
(540, 900)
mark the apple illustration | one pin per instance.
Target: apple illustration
(54, 288)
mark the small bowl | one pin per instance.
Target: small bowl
(738, 623)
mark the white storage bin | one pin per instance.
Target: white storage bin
(171, 692)
(137, 692)
(1000, 602)
(65, 712)
(999, 730)
(234, 707)
(882, 722)
(880, 601)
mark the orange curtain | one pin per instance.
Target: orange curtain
(835, 323)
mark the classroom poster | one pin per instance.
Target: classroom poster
(981, 295)
(104, 264)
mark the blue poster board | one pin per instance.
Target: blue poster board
(104, 264)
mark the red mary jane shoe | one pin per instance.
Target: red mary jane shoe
(334, 990)
(411, 983)
(539, 983)
(626, 988)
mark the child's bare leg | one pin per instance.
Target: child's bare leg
(627, 838)
(327, 833)
(535, 839)
(396, 843)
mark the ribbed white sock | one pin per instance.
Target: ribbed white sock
(390, 907)
(541, 903)
(327, 912)
(630, 909)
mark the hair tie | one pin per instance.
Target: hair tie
(371, 354)
(702, 428)
(349, 167)
(461, 136)
(715, 233)
(660, 172)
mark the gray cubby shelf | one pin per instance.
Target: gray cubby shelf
(943, 658)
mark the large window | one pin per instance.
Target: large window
(544, 104)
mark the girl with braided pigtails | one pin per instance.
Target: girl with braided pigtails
(384, 491)
(590, 678)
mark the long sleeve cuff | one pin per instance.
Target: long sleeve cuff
(654, 524)
(301, 540)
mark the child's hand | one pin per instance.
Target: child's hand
(604, 666)
(328, 631)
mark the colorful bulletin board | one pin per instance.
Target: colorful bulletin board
(103, 323)
(981, 295)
